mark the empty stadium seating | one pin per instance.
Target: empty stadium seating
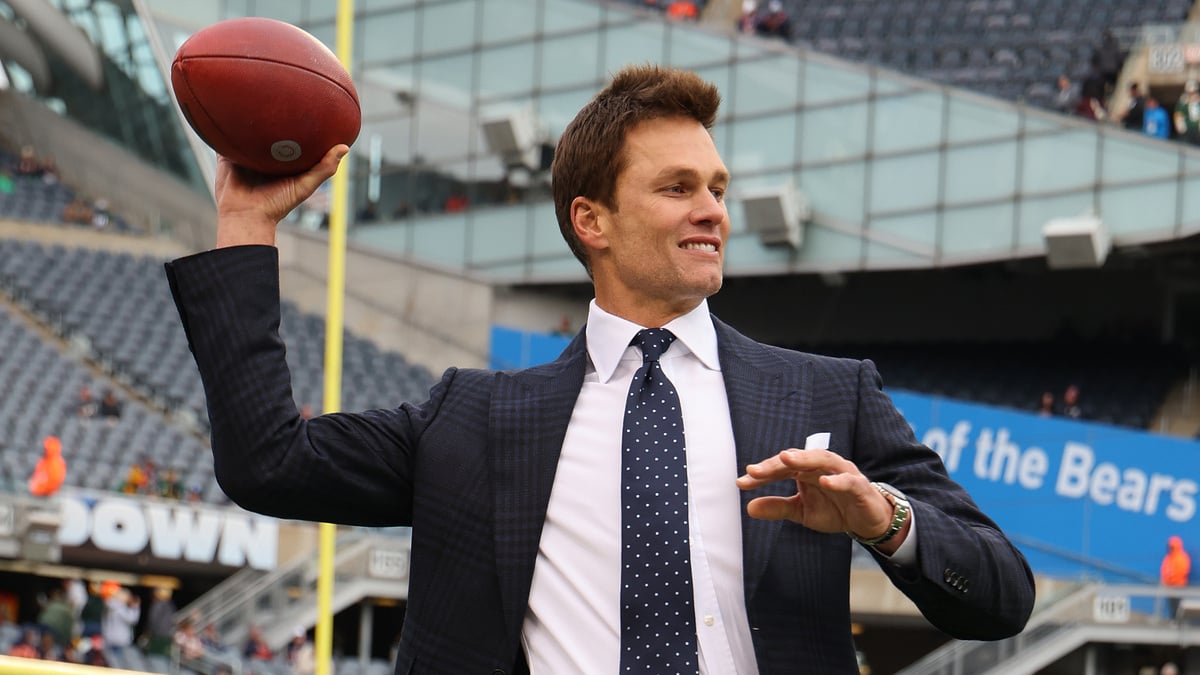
(117, 309)
(1012, 49)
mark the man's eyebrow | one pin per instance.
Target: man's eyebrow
(688, 172)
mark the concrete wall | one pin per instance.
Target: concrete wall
(145, 195)
(434, 317)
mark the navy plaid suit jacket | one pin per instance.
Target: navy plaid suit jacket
(471, 470)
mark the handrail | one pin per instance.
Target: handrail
(957, 651)
(245, 585)
(1074, 612)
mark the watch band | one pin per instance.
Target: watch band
(901, 510)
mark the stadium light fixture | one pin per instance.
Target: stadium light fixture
(1076, 242)
(776, 214)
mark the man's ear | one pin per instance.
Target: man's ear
(588, 218)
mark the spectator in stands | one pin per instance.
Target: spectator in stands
(775, 22)
(1090, 103)
(1174, 571)
(49, 171)
(369, 213)
(1046, 406)
(748, 22)
(1070, 403)
(75, 592)
(683, 10)
(121, 615)
(86, 405)
(456, 203)
(1134, 115)
(92, 614)
(1187, 113)
(101, 218)
(211, 639)
(494, 459)
(57, 619)
(1169, 668)
(300, 654)
(169, 485)
(256, 646)
(92, 652)
(160, 623)
(136, 480)
(77, 212)
(27, 647)
(1091, 108)
(6, 182)
(1155, 123)
(1065, 97)
(50, 471)
(189, 644)
(27, 163)
(110, 405)
(50, 648)
(1109, 58)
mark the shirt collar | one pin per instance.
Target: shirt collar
(608, 336)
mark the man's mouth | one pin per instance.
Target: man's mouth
(699, 246)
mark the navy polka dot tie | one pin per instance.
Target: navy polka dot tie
(658, 623)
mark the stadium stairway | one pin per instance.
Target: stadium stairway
(1179, 414)
(1091, 613)
(368, 563)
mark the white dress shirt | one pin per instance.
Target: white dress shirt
(573, 621)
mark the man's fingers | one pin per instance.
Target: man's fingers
(774, 508)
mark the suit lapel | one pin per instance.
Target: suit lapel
(769, 401)
(529, 414)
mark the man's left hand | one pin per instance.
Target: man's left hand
(832, 495)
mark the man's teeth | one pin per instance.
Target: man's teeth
(697, 246)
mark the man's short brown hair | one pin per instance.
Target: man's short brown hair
(590, 154)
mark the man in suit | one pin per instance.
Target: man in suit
(512, 481)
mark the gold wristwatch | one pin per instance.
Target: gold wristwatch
(901, 511)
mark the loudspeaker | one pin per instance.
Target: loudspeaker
(1077, 242)
(515, 137)
(776, 214)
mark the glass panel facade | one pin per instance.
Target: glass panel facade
(766, 142)
(772, 84)
(981, 172)
(898, 172)
(911, 122)
(904, 183)
(447, 26)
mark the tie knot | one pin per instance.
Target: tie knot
(653, 342)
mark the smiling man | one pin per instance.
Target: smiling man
(667, 496)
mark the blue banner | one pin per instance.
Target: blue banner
(1081, 500)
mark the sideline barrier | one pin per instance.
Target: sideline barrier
(15, 665)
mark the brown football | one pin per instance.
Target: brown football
(265, 94)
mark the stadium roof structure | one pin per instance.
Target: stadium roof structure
(890, 171)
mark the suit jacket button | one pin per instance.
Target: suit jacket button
(498, 671)
(947, 575)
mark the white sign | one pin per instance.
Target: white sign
(388, 564)
(1110, 609)
(171, 531)
(1166, 59)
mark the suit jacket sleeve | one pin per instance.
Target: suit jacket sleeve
(969, 580)
(342, 468)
